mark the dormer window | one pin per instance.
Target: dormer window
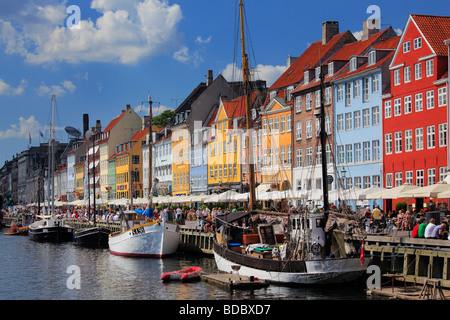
(306, 77)
(273, 94)
(330, 68)
(372, 58)
(353, 64)
(253, 114)
(317, 73)
(288, 93)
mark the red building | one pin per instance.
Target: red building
(415, 117)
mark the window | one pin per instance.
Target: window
(317, 73)
(396, 77)
(308, 101)
(330, 69)
(388, 143)
(356, 89)
(349, 153)
(429, 66)
(366, 118)
(375, 116)
(376, 181)
(358, 182)
(289, 155)
(407, 104)
(306, 77)
(387, 109)
(418, 103)
(348, 94)
(398, 179)
(442, 173)
(270, 157)
(442, 134)
(419, 178)
(317, 97)
(308, 129)
(340, 122)
(357, 119)
(357, 152)
(431, 176)
(288, 93)
(348, 121)
(388, 180)
(376, 155)
(318, 155)
(298, 159)
(366, 151)
(340, 153)
(406, 46)
(408, 140)
(328, 125)
(442, 96)
(288, 123)
(353, 64)
(418, 71)
(308, 157)
(366, 89)
(282, 124)
(431, 142)
(409, 177)
(398, 141)
(417, 43)
(340, 93)
(298, 104)
(265, 127)
(419, 138)
(270, 125)
(366, 180)
(328, 95)
(277, 125)
(430, 99)
(283, 155)
(407, 74)
(298, 131)
(397, 107)
(372, 58)
(375, 83)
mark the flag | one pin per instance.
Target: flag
(29, 138)
(149, 98)
(361, 256)
(41, 134)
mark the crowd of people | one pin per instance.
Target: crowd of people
(402, 220)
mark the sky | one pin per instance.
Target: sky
(97, 56)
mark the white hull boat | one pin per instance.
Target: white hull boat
(155, 239)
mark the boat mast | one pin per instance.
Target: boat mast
(52, 158)
(150, 157)
(247, 92)
(323, 142)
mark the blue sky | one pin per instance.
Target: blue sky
(124, 49)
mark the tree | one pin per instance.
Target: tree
(163, 119)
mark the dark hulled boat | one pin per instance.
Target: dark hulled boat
(92, 237)
(51, 229)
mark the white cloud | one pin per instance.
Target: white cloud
(156, 111)
(200, 40)
(25, 128)
(184, 55)
(262, 72)
(358, 34)
(125, 32)
(66, 86)
(6, 89)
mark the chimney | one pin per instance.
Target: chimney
(85, 124)
(209, 78)
(98, 126)
(290, 61)
(329, 30)
(370, 27)
(145, 122)
(128, 107)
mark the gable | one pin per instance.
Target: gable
(221, 113)
(276, 104)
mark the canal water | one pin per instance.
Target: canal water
(45, 271)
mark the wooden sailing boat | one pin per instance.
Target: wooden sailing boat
(304, 254)
(155, 239)
(51, 227)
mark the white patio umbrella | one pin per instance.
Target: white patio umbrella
(372, 190)
(400, 192)
(353, 193)
(432, 191)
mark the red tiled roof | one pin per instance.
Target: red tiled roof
(436, 29)
(236, 108)
(387, 44)
(114, 122)
(309, 58)
(139, 134)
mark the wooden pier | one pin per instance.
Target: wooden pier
(234, 281)
(415, 259)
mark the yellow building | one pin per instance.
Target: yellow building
(79, 180)
(277, 145)
(226, 140)
(180, 159)
(123, 171)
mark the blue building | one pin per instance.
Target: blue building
(357, 94)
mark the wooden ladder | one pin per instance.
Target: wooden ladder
(431, 289)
